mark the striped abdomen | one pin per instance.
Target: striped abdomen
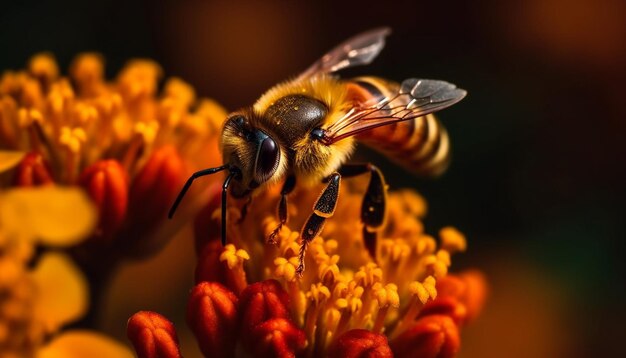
(420, 145)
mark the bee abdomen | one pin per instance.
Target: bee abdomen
(420, 145)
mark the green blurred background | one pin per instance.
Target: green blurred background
(537, 179)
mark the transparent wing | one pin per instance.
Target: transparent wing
(358, 50)
(415, 98)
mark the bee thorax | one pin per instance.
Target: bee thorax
(292, 117)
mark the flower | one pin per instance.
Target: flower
(128, 144)
(402, 302)
(122, 141)
(42, 292)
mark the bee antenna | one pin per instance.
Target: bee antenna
(187, 185)
(230, 176)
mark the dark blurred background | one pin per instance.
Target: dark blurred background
(537, 180)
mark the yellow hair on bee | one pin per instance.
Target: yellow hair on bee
(313, 160)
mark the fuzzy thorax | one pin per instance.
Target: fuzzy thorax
(311, 160)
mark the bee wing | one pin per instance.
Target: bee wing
(358, 50)
(415, 98)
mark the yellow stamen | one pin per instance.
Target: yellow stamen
(386, 296)
(72, 139)
(285, 268)
(44, 67)
(328, 269)
(452, 240)
(88, 72)
(420, 294)
(235, 258)
(317, 296)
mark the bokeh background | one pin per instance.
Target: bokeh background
(537, 180)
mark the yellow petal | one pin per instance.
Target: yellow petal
(62, 294)
(9, 159)
(56, 216)
(83, 343)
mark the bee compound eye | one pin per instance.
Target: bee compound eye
(267, 159)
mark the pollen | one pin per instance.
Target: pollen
(286, 269)
(233, 257)
(452, 240)
(343, 287)
(387, 295)
(123, 145)
(318, 293)
(43, 66)
(72, 138)
(424, 290)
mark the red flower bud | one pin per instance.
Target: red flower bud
(152, 335)
(446, 305)
(434, 336)
(475, 293)
(277, 337)
(207, 228)
(152, 192)
(33, 170)
(360, 343)
(106, 183)
(260, 302)
(212, 316)
(210, 268)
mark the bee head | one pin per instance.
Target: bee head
(251, 150)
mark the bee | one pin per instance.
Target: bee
(304, 130)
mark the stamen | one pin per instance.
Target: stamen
(421, 292)
(234, 259)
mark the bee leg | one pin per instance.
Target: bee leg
(323, 209)
(188, 183)
(290, 183)
(374, 202)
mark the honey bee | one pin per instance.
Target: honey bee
(305, 130)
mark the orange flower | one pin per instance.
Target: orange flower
(401, 303)
(36, 302)
(121, 140)
(129, 145)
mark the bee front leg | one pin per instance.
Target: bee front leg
(290, 183)
(323, 209)
(374, 202)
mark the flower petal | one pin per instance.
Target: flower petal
(277, 337)
(83, 343)
(106, 183)
(33, 170)
(260, 302)
(62, 294)
(358, 343)
(162, 174)
(9, 159)
(212, 315)
(433, 336)
(56, 216)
